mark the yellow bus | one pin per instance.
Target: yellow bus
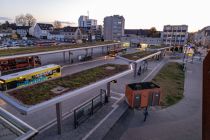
(29, 77)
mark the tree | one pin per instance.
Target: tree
(30, 20)
(20, 20)
(57, 24)
(153, 32)
(25, 20)
(5, 25)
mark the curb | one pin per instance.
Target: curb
(104, 128)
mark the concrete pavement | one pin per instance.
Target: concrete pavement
(181, 121)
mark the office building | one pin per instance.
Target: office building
(175, 35)
(84, 21)
(114, 27)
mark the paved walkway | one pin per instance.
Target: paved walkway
(181, 121)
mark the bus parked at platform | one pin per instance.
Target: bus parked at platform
(19, 63)
(29, 77)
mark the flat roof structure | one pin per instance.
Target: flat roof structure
(56, 51)
(12, 128)
(142, 86)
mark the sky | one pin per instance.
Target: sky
(137, 13)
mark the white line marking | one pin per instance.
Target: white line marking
(91, 131)
(152, 71)
(114, 98)
(103, 120)
(121, 94)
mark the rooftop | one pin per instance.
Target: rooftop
(142, 86)
(12, 128)
(45, 26)
(23, 27)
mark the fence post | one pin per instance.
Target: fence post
(102, 50)
(92, 108)
(107, 92)
(75, 119)
(91, 52)
(64, 57)
(69, 57)
(86, 52)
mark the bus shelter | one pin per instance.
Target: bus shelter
(59, 99)
(139, 61)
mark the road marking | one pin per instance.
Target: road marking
(92, 130)
(121, 94)
(152, 71)
(102, 121)
(114, 98)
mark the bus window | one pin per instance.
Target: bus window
(21, 61)
(4, 62)
(58, 70)
(11, 85)
(49, 73)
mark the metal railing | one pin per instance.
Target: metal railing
(86, 110)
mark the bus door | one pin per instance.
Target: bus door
(2, 85)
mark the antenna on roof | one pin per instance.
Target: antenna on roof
(88, 13)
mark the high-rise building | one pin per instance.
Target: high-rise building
(84, 21)
(175, 35)
(202, 37)
(114, 27)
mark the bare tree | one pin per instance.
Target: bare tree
(57, 24)
(30, 20)
(25, 20)
(20, 20)
(153, 32)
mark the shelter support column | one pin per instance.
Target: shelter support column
(59, 117)
(135, 69)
